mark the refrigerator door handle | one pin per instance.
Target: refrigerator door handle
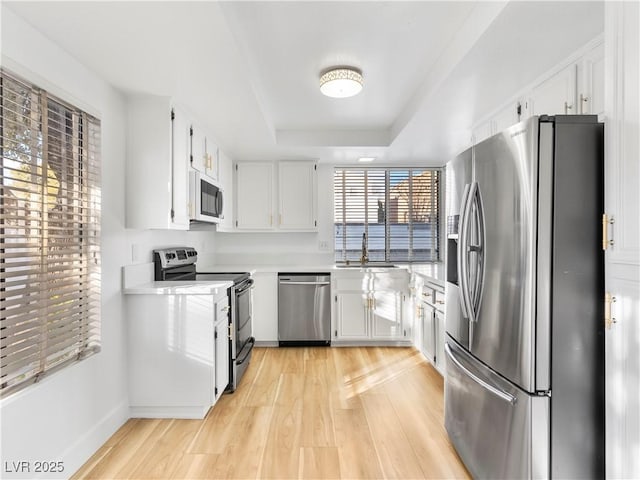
(460, 252)
(463, 260)
(479, 249)
(507, 397)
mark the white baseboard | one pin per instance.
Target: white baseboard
(76, 455)
(169, 412)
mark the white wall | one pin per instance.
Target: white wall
(69, 415)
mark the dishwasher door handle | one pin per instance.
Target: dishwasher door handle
(286, 282)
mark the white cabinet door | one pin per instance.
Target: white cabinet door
(204, 153)
(297, 189)
(428, 332)
(222, 358)
(352, 316)
(591, 95)
(180, 169)
(254, 196)
(386, 315)
(439, 328)
(622, 259)
(507, 117)
(226, 184)
(265, 307)
(557, 95)
(156, 169)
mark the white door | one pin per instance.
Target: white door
(180, 169)
(428, 332)
(222, 357)
(439, 338)
(198, 144)
(297, 188)
(386, 315)
(352, 316)
(556, 95)
(622, 259)
(254, 196)
(591, 95)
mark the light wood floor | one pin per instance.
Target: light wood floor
(317, 413)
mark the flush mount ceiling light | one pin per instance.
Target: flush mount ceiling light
(366, 159)
(341, 82)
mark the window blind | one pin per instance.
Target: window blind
(397, 209)
(49, 233)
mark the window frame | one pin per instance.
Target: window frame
(341, 255)
(50, 235)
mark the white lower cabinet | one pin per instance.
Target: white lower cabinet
(221, 340)
(175, 360)
(430, 319)
(265, 307)
(365, 312)
(352, 316)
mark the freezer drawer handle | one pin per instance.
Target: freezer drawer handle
(304, 283)
(503, 395)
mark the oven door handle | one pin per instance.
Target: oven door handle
(304, 283)
(246, 350)
(246, 286)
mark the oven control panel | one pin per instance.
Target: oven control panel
(175, 257)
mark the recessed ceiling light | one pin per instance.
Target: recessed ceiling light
(366, 159)
(341, 82)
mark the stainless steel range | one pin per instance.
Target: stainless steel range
(179, 264)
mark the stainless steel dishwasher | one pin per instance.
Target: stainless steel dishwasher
(304, 309)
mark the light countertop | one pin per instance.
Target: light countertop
(178, 288)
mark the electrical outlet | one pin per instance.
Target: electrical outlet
(135, 252)
(323, 245)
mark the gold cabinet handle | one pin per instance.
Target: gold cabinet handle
(606, 242)
(609, 320)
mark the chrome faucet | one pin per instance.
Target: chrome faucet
(364, 258)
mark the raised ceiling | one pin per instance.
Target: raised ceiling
(249, 70)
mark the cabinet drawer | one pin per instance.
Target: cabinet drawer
(427, 295)
(352, 284)
(222, 309)
(438, 300)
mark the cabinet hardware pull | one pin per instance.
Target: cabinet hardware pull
(567, 107)
(609, 320)
(583, 100)
(606, 221)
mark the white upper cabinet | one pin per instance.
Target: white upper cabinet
(254, 196)
(557, 95)
(591, 82)
(576, 88)
(157, 158)
(203, 152)
(298, 184)
(295, 193)
(225, 177)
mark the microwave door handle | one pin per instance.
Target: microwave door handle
(219, 203)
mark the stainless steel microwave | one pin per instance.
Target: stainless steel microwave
(206, 199)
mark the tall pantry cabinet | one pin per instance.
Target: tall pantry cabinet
(622, 239)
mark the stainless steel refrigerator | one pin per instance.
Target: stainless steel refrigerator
(524, 386)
